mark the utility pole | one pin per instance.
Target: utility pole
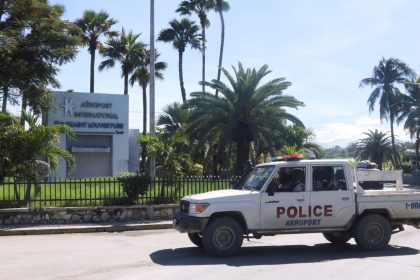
(152, 82)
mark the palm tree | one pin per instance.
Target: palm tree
(141, 75)
(386, 75)
(201, 8)
(243, 113)
(299, 137)
(174, 118)
(409, 110)
(94, 26)
(376, 147)
(220, 7)
(181, 34)
(25, 146)
(127, 51)
(169, 152)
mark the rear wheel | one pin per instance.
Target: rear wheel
(337, 237)
(196, 239)
(373, 232)
(223, 237)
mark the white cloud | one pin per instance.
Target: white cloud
(340, 133)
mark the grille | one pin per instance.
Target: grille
(184, 206)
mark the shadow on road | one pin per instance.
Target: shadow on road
(275, 255)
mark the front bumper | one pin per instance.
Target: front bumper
(190, 224)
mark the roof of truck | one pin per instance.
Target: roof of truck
(309, 162)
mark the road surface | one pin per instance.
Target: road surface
(167, 254)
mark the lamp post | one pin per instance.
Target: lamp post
(152, 82)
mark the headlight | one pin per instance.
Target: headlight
(197, 208)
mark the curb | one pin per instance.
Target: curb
(84, 228)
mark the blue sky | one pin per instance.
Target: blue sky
(323, 47)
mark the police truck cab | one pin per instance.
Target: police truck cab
(300, 196)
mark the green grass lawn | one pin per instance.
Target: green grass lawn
(102, 192)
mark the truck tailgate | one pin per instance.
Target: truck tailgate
(404, 204)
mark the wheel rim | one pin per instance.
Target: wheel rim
(374, 233)
(224, 237)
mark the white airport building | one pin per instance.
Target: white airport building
(104, 145)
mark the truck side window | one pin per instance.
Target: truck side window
(340, 178)
(328, 178)
(290, 179)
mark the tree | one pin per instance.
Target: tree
(245, 112)
(376, 147)
(201, 8)
(2, 5)
(94, 26)
(174, 118)
(127, 51)
(409, 110)
(299, 137)
(181, 34)
(37, 41)
(386, 75)
(220, 7)
(169, 152)
(141, 75)
(20, 148)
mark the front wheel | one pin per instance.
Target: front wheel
(196, 239)
(373, 232)
(337, 237)
(223, 237)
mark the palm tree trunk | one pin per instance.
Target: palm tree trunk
(144, 109)
(28, 191)
(417, 149)
(126, 84)
(2, 6)
(143, 148)
(5, 96)
(23, 109)
(391, 119)
(222, 43)
(203, 33)
(181, 78)
(242, 151)
(16, 191)
(92, 71)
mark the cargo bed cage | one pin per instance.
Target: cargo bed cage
(380, 176)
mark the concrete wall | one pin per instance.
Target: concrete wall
(79, 215)
(134, 149)
(94, 115)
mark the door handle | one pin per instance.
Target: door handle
(300, 199)
(345, 198)
(272, 201)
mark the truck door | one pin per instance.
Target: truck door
(331, 199)
(285, 199)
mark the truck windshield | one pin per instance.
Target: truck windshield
(257, 177)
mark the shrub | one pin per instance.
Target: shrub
(197, 170)
(406, 167)
(134, 185)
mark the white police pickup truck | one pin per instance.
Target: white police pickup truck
(301, 196)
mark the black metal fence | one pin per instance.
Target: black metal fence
(103, 191)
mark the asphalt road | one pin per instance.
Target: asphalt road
(167, 254)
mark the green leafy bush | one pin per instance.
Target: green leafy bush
(197, 170)
(406, 167)
(134, 185)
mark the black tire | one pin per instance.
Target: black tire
(373, 232)
(223, 237)
(196, 239)
(337, 237)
